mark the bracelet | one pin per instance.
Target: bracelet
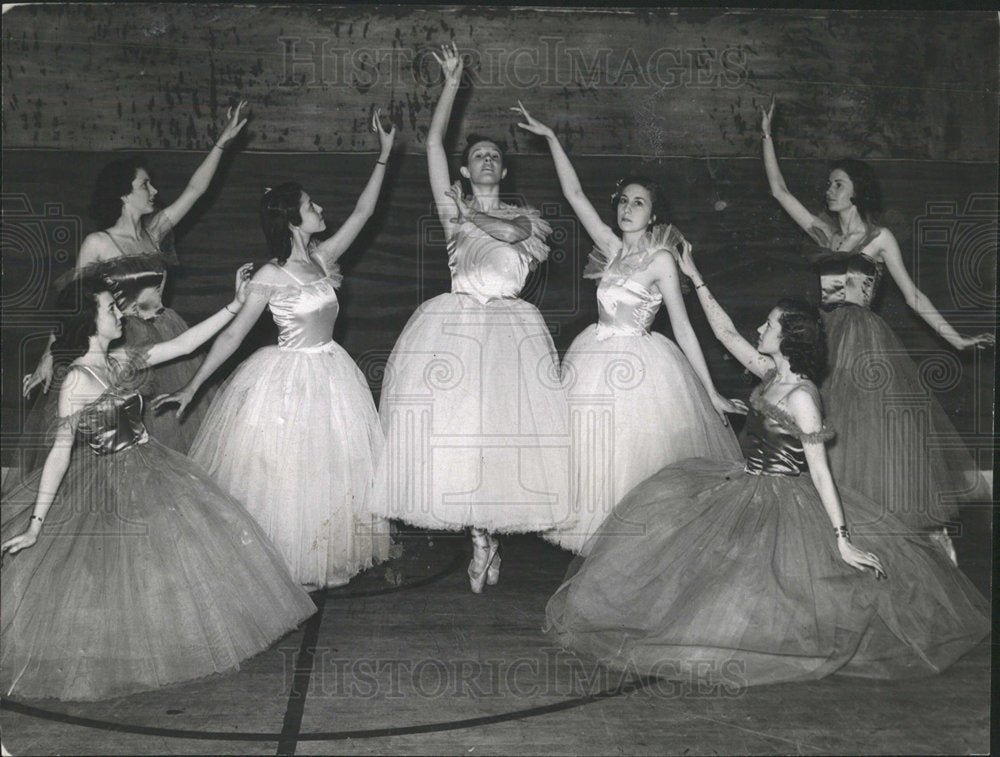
(231, 312)
(380, 162)
(35, 517)
(219, 146)
(699, 286)
(842, 531)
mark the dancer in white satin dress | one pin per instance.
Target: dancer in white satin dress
(293, 433)
(474, 414)
(638, 402)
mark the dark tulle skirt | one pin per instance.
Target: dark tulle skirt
(36, 438)
(707, 574)
(145, 574)
(894, 442)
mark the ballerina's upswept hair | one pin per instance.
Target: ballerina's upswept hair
(78, 303)
(867, 190)
(278, 208)
(474, 139)
(803, 338)
(113, 182)
(657, 197)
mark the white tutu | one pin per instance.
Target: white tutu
(294, 436)
(636, 405)
(475, 420)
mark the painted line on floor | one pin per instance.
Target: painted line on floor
(365, 733)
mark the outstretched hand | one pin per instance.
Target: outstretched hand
(19, 542)
(450, 62)
(726, 407)
(182, 398)
(243, 275)
(385, 138)
(42, 375)
(236, 120)
(532, 124)
(766, 114)
(977, 342)
(461, 204)
(685, 260)
(859, 559)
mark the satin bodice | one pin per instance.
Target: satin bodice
(113, 422)
(846, 277)
(772, 442)
(487, 268)
(305, 314)
(625, 306)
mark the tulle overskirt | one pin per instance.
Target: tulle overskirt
(294, 436)
(475, 418)
(709, 574)
(145, 573)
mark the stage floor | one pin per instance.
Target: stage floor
(405, 660)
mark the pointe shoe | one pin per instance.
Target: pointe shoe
(484, 550)
(493, 571)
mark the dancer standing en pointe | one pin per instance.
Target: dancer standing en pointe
(473, 411)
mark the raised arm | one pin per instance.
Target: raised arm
(437, 160)
(202, 177)
(804, 408)
(792, 206)
(77, 389)
(722, 325)
(599, 231)
(918, 301)
(191, 339)
(331, 249)
(668, 281)
(222, 348)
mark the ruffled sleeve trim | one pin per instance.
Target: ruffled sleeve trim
(534, 246)
(335, 277)
(660, 238)
(126, 266)
(784, 419)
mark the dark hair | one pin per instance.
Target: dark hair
(803, 338)
(78, 305)
(113, 182)
(657, 196)
(278, 208)
(474, 139)
(867, 190)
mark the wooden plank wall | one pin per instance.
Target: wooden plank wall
(913, 93)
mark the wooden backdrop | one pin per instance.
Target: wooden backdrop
(675, 94)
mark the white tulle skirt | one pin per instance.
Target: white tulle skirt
(636, 405)
(475, 420)
(294, 436)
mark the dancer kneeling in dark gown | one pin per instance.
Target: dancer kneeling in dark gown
(126, 567)
(749, 575)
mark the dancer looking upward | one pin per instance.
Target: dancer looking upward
(473, 411)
